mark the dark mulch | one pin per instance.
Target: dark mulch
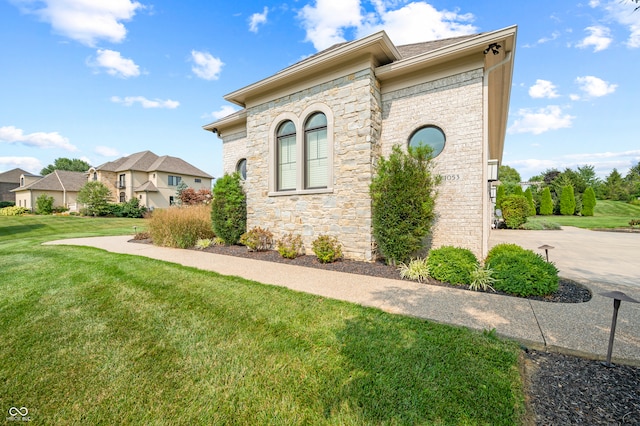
(561, 389)
(567, 390)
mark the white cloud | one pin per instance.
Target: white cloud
(115, 64)
(257, 19)
(206, 66)
(29, 164)
(626, 15)
(85, 21)
(599, 38)
(223, 112)
(543, 89)
(106, 151)
(11, 134)
(145, 103)
(595, 87)
(327, 21)
(417, 22)
(540, 120)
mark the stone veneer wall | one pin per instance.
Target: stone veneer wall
(455, 104)
(346, 211)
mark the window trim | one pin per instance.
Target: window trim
(299, 121)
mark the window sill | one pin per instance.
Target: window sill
(301, 192)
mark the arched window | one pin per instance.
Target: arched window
(122, 197)
(241, 168)
(21, 181)
(315, 151)
(431, 136)
(286, 157)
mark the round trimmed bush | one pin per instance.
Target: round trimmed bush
(453, 265)
(521, 272)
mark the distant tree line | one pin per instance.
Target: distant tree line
(569, 192)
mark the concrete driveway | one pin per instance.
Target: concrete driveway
(610, 259)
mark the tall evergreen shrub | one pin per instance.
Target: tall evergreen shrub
(546, 202)
(532, 205)
(588, 201)
(44, 204)
(500, 194)
(567, 201)
(229, 209)
(515, 209)
(403, 198)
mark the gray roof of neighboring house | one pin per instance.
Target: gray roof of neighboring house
(415, 49)
(147, 161)
(13, 176)
(58, 180)
(148, 186)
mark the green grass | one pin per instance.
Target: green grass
(607, 214)
(99, 338)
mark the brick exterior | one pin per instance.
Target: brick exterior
(367, 124)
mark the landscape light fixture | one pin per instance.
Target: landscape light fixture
(493, 48)
(546, 249)
(617, 296)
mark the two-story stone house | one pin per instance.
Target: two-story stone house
(308, 137)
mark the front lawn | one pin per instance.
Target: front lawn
(99, 338)
(607, 214)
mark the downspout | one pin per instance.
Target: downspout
(486, 223)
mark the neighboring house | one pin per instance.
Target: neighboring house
(62, 185)
(308, 137)
(153, 180)
(11, 180)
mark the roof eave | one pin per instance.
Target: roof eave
(379, 45)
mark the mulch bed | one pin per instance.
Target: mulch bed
(561, 389)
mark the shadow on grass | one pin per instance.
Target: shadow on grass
(19, 229)
(409, 371)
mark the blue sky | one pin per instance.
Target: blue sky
(99, 79)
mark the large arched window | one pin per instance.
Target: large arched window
(431, 136)
(286, 156)
(315, 151)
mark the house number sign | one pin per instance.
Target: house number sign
(449, 178)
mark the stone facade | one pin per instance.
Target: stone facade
(376, 95)
(455, 105)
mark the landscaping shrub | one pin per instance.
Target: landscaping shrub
(44, 204)
(482, 278)
(13, 211)
(403, 199)
(289, 246)
(327, 248)
(95, 196)
(203, 243)
(522, 272)
(4, 204)
(131, 208)
(500, 194)
(634, 222)
(229, 209)
(588, 202)
(257, 239)
(532, 205)
(515, 209)
(180, 226)
(453, 265)
(567, 201)
(546, 202)
(416, 269)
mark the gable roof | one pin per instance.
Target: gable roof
(414, 49)
(13, 176)
(147, 161)
(58, 180)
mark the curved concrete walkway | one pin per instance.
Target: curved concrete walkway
(581, 329)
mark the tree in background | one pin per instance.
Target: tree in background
(632, 179)
(532, 206)
(508, 174)
(95, 196)
(72, 165)
(546, 203)
(567, 201)
(588, 202)
(614, 187)
(515, 209)
(517, 190)
(500, 194)
(190, 197)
